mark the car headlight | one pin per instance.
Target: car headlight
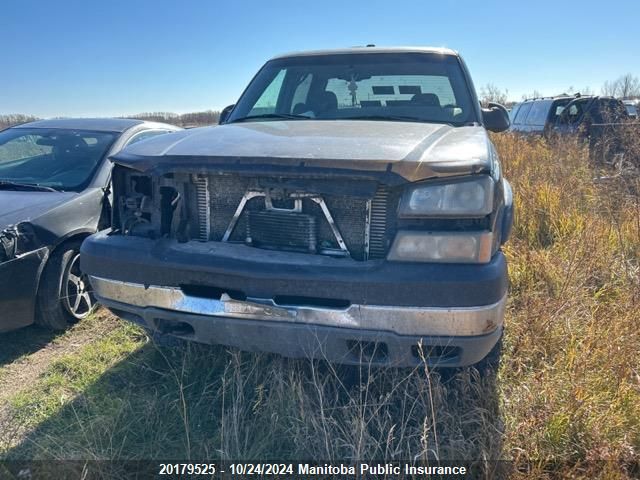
(471, 197)
(8, 244)
(445, 247)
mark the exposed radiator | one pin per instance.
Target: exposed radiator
(287, 230)
(362, 223)
(204, 203)
(378, 223)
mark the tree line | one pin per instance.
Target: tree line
(192, 119)
(15, 119)
(626, 87)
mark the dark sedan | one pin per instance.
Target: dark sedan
(54, 192)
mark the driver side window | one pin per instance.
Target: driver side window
(268, 101)
(574, 113)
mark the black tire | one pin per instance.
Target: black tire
(164, 340)
(490, 364)
(64, 296)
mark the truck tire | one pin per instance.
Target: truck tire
(489, 365)
(164, 340)
(64, 296)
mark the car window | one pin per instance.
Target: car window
(411, 86)
(538, 113)
(301, 92)
(522, 113)
(610, 110)
(391, 92)
(23, 147)
(557, 108)
(514, 112)
(138, 137)
(58, 158)
(269, 98)
(572, 113)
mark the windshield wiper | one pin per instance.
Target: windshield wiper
(33, 187)
(397, 118)
(288, 116)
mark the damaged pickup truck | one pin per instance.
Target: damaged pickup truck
(54, 192)
(349, 207)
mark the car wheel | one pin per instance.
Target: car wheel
(64, 296)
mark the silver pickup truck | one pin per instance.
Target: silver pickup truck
(350, 206)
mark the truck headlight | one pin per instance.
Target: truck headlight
(441, 247)
(472, 197)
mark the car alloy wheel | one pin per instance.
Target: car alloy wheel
(76, 290)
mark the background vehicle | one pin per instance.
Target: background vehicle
(587, 115)
(350, 207)
(54, 192)
(632, 108)
(537, 115)
(603, 122)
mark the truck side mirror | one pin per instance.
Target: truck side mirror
(224, 114)
(496, 118)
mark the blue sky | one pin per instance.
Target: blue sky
(115, 57)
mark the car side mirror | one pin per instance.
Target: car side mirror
(495, 118)
(224, 114)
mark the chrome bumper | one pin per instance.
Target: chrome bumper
(415, 321)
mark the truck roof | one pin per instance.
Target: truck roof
(369, 49)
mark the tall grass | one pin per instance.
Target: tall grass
(565, 402)
(570, 383)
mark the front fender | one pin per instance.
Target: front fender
(19, 279)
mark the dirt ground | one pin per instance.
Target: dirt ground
(27, 353)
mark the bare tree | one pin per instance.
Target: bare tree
(15, 119)
(626, 86)
(583, 91)
(194, 119)
(492, 93)
(534, 94)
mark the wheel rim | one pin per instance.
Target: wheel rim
(76, 294)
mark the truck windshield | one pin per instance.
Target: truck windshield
(58, 158)
(423, 87)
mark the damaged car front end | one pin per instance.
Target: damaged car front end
(19, 273)
(54, 192)
(353, 240)
(44, 221)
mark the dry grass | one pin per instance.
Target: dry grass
(566, 402)
(570, 380)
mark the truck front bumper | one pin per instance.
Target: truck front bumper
(383, 313)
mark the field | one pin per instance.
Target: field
(565, 402)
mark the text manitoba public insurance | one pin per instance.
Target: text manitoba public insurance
(379, 469)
